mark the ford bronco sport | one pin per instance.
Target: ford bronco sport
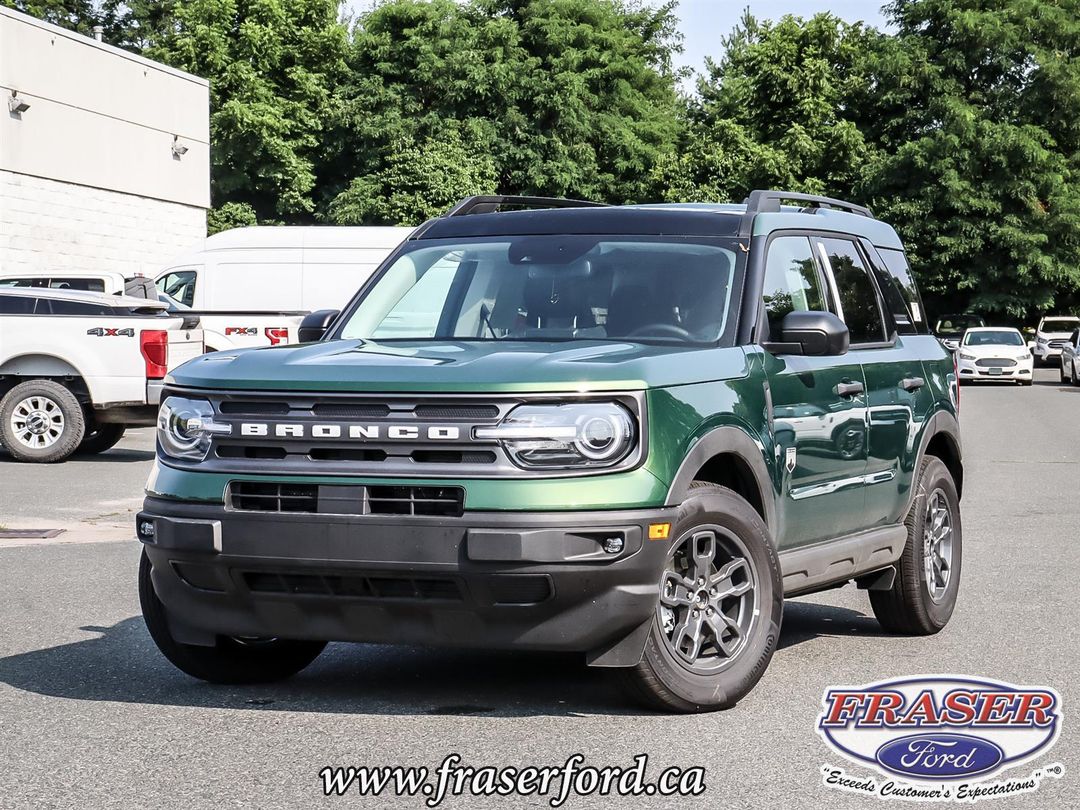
(628, 432)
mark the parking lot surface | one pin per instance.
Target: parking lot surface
(91, 715)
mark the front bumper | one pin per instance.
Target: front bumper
(1046, 352)
(523, 580)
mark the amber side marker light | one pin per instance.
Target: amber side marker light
(659, 531)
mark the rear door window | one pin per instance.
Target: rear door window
(16, 305)
(856, 293)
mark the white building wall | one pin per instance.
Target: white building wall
(49, 225)
(88, 176)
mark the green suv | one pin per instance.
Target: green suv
(624, 431)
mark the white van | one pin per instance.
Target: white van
(278, 268)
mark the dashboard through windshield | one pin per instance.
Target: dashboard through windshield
(551, 288)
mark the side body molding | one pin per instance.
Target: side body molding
(736, 441)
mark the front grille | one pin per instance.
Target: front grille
(358, 586)
(1002, 362)
(409, 501)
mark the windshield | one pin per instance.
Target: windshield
(955, 324)
(1005, 337)
(551, 288)
(1059, 324)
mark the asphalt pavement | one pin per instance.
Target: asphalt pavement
(91, 715)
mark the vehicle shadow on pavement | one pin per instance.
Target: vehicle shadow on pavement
(805, 621)
(121, 664)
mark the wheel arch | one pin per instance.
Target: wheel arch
(941, 438)
(730, 457)
(27, 367)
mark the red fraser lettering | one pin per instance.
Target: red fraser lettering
(981, 708)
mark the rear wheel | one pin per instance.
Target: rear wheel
(100, 438)
(230, 660)
(923, 595)
(719, 608)
(41, 421)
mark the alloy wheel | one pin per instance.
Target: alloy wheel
(937, 545)
(708, 599)
(37, 422)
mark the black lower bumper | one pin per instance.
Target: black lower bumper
(576, 581)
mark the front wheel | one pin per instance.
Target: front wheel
(230, 660)
(719, 608)
(923, 595)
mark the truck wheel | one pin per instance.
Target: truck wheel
(923, 595)
(101, 438)
(41, 421)
(720, 605)
(230, 660)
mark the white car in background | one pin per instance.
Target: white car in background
(1051, 334)
(994, 353)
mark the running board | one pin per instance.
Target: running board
(812, 568)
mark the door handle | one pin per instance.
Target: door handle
(849, 389)
(912, 383)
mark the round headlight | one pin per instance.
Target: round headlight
(186, 426)
(585, 434)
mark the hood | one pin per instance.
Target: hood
(1050, 335)
(460, 366)
(996, 350)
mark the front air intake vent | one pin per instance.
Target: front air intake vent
(407, 501)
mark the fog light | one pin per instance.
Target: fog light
(613, 545)
(146, 529)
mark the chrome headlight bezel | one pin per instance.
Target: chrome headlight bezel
(186, 427)
(577, 435)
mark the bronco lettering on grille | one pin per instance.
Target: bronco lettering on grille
(297, 430)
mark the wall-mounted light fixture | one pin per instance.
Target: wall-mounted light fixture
(17, 105)
(178, 148)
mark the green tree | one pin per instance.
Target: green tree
(275, 69)
(786, 105)
(556, 97)
(980, 167)
(76, 15)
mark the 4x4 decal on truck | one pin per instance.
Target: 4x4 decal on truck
(105, 331)
(249, 331)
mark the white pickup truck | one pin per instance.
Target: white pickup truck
(222, 329)
(77, 368)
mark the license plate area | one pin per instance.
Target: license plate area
(995, 372)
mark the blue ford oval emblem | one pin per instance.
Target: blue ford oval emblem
(939, 756)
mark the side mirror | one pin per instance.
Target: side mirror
(814, 334)
(315, 324)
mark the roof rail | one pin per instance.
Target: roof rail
(761, 202)
(489, 203)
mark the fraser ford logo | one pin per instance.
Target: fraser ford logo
(940, 737)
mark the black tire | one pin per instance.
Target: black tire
(100, 438)
(908, 607)
(664, 681)
(59, 413)
(229, 661)
(1061, 372)
(1072, 373)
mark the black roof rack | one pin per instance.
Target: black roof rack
(760, 202)
(489, 203)
(763, 202)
